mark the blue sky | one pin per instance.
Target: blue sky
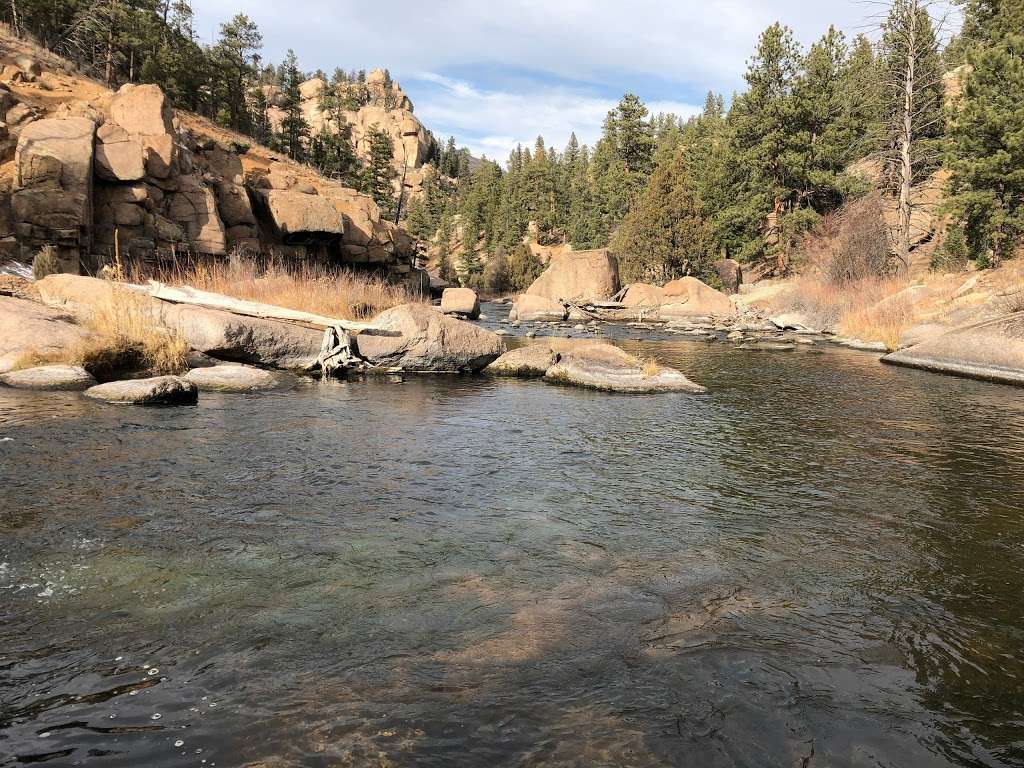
(494, 74)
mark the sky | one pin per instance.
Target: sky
(500, 72)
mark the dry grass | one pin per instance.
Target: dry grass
(125, 338)
(304, 287)
(650, 367)
(866, 309)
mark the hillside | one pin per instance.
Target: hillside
(95, 172)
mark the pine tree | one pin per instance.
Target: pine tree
(294, 129)
(236, 56)
(496, 278)
(666, 234)
(523, 268)
(379, 172)
(987, 155)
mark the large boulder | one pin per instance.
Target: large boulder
(528, 308)
(119, 156)
(689, 297)
(145, 115)
(992, 350)
(642, 295)
(579, 275)
(160, 390)
(28, 327)
(428, 340)
(299, 217)
(219, 334)
(52, 192)
(460, 301)
(532, 361)
(730, 273)
(52, 378)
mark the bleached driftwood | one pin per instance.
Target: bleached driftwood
(336, 353)
(611, 311)
(219, 301)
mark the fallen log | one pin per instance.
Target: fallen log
(185, 295)
(612, 311)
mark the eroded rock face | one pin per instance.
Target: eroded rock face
(52, 198)
(296, 215)
(529, 308)
(460, 301)
(688, 297)
(579, 275)
(160, 390)
(194, 208)
(53, 378)
(428, 341)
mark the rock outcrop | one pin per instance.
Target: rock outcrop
(124, 173)
(428, 341)
(51, 202)
(991, 350)
(580, 276)
(28, 327)
(591, 365)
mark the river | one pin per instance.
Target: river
(817, 563)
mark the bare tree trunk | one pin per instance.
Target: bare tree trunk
(109, 68)
(906, 139)
(14, 18)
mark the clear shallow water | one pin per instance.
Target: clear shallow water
(819, 563)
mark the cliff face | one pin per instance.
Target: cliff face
(90, 172)
(387, 108)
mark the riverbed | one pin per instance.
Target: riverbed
(817, 563)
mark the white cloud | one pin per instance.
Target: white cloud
(524, 67)
(492, 122)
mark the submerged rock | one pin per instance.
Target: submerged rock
(232, 378)
(428, 341)
(53, 378)
(160, 390)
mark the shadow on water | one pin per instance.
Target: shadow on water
(816, 563)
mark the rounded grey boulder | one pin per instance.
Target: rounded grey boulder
(160, 390)
(232, 378)
(54, 378)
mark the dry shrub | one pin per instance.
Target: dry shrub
(45, 262)
(860, 248)
(304, 287)
(649, 366)
(867, 309)
(125, 338)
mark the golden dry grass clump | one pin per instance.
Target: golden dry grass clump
(313, 288)
(125, 337)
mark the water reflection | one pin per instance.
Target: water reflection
(817, 563)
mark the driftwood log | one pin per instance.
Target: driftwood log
(611, 311)
(336, 351)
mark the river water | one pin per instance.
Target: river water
(817, 563)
